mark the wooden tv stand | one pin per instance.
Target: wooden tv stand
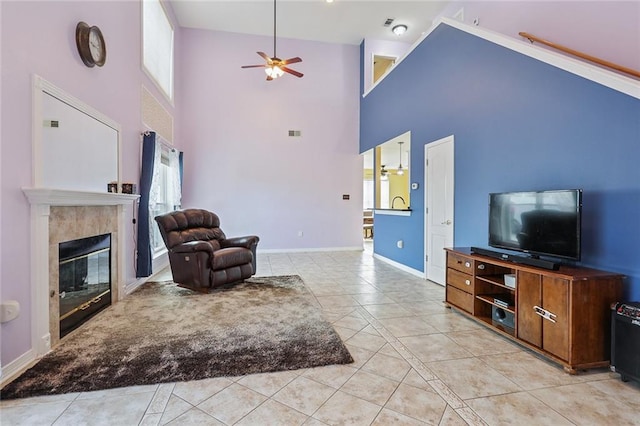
(562, 314)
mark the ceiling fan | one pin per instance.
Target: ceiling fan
(276, 67)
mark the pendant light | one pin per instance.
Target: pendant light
(400, 170)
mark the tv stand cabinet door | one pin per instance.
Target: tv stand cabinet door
(529, 295)
(555, 299)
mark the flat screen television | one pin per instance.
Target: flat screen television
(541, 223)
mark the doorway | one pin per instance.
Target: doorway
(439, 212)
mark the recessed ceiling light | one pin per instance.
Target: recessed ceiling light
(399, 29)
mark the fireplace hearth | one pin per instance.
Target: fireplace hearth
(84, 280)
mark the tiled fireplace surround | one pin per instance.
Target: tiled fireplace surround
(62, 215)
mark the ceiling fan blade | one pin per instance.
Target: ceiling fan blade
(291, 61)
(292, 72)
(254, 66)
(265, 56)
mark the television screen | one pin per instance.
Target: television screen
(544, 223)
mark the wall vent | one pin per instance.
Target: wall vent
(295, 133)
(388, 22)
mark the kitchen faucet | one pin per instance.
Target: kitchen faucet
(394, 200)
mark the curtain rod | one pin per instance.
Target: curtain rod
(579, 54)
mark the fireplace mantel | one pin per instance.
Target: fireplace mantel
(43, 201)
(65, 197)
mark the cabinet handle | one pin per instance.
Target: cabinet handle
(545, 314)
(467, 264)
(467, 282)
(481, 266)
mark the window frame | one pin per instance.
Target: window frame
(168, 96)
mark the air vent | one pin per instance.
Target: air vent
(294, 133)
(388, 22)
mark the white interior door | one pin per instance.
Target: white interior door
(439, 192)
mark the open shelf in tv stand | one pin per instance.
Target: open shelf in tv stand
(562, 314)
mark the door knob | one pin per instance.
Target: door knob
(446, 222)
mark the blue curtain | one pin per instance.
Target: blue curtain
(144, 259)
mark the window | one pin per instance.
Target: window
(165, 192)
(157, 45)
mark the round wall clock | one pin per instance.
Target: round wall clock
(91, 46)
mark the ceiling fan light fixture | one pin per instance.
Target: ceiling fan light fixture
(399, 29)
(274, 71)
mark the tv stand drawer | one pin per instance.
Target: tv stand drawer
(460, 280)
(460, 299)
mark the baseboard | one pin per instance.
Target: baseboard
(308, 250)
(400, 266)
(17, 367)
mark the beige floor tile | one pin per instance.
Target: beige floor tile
(387, 366)
(388, 310)
(408, 326)
(196, 391)
(194, 417)
(452, 321)
(176, 406)
(529, 371)
(420, 404)
(44, 413)
(232, 403)
(273, 413)
(590, 404)
(412, 378)
(517, 409)
(388, 417)
(370, 387)
(333, 301)
(344, 409)
(451, 418)
(372, 299)
(160, 398)
(109, 410)
(389, 350)
(472, 378)
(6, 403)
(434, 347)
(356, 323)
(627, 392)
(304, 395)
(367, 341)
(359, 355)
(268, 383)
(483, 342)
(331, 375)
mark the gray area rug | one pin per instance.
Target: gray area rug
(163, 333)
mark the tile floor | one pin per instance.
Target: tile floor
(416, 363)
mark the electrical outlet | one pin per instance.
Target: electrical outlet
(9, 310)
(300, 233)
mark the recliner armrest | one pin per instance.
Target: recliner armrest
(249, 241)
(193, 247)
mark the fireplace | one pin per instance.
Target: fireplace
(84, 280)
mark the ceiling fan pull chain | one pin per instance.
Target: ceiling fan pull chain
(274, 29)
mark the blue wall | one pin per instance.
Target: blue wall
(519, 124)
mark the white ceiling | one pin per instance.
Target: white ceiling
(343, 21)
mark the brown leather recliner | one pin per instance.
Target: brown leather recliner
(200, 255)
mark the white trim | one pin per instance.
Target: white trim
(41, 200)
(40, 86)
(389, 212)
(620, 83)
(310, 249)
(17, 367)
(400, 266)
(64, 197)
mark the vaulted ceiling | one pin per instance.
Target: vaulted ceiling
(342, 21)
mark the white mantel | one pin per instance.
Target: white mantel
(65, 197)
(41, 200)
